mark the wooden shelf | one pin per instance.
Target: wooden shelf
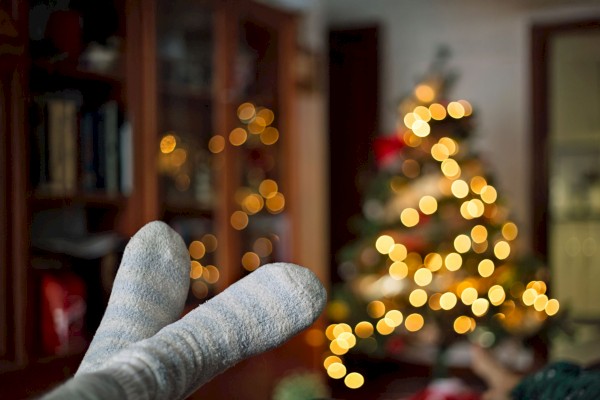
(47, 200)
(74, 72)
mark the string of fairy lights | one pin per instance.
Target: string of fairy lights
(258, 192)
(433, 280)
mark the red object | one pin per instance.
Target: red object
(64, 30)
(446, 389)
(386, 148)
(63, 313)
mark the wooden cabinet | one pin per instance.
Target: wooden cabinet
(118, 113)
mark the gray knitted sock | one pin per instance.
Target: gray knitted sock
(255, 314)
(148, 293)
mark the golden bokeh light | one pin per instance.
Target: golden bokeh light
(354, 380)
(434, 301)
(552, 307)
(336, 370)
(529, 297)
(330, 360)
(398, 252)
(411, 139)
(450, 144)
(540, 302)
(239, 220)
(433, 261)
(199, 289)
(453, 261)
(338, 347)
(211, 274)
(263, 247)
(197, 249)
(455, 110)
(276, 203)
(417, 298)
(480, 307)
(496, 295)
(395, 316)
(464, 210)
(216, 144)
(178, 157)
(439, 152)
(168, 144)
(253, 203)
(269, 136)
(480, 248)
(267, 115)
(475, 208)
(450, 168)
(462, 324)
(467, 107)
(409, 217)
(468, 296)
(338, 329)
(423, 276)
(314, 337)
(421, 128)
(256, 126)
(486, 268)
(414, 322)
(411, 168)
(424, 93)
(349, 338)
(376, 309)
(409, 119)
(428, 205)
(268, 188)
(438, 111)
(246, 111)
(479, 233)
(329, 331)
(196, 270)
(250, 261)
(398, 270)
(448, 301)
(477, 183)
(488, 194)
(238, 136)
(462, 243)
(502, 250)
(460, 189)
(384, 328)
(210, 242)
(363, 329)
(510, 231)
(422, 113)
(384, 244)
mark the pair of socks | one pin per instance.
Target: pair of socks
(142, 351)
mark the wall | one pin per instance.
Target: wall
(490, 45)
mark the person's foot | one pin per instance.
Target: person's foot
(498, 378)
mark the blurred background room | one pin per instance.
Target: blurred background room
(435, 163)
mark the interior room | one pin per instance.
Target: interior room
(433, 167)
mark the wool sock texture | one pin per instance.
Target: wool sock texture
(148, 293)
(255, 314)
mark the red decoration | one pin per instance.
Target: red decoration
(386, 148)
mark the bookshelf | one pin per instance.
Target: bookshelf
(112, 125)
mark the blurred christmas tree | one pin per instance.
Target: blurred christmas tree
(437, 258)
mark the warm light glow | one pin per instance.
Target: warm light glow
(338, 347)
(453, 261)
(409, 217)
(210, 242)
(398, 252)
(363, 329)
(349, 338)
(268, 188)
(341, 328)
(253, 203)
(269, 136)
(438, 111)
(211, 274)
(197, 249)
(428, 205)
(439, 152)
(486, 268)
(540, 302)
(336, 370)
(239, 220)
(480, 307)
(434, 301)
(216, 144)
(409, 119)
(424, 93)
(450, 168)
(411, 139)
(496, 295)
(479, 234)
(354, 380)
(314, 337)
(467, 107)
(250, 261)
(168, 144)
(263, 247)
(376, 309)
(417, 298)
(329, 331)
(422, 113)
(464, 210)
(384, 244)
(411, 168)
(276, 203)
(423, 277)
(178, 157)
(267, 116)
(468, 296)
(450, 144)
(199, 289)
(433, 261)
(246, 112)
(502, 250)
(256, 126)
(395, 317)
(462, 324)
(196, 270)
(552, 307)
(488, 194)
(384, 328)
(448, 301)
(480, 248)
(456, 110)
(421, 128)
(414, 322)
(398, 270)
(477, 183)
(529, 297)
(510, 231)
(238, 136)
(460, 188)
(330, 360)
(462, 243)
